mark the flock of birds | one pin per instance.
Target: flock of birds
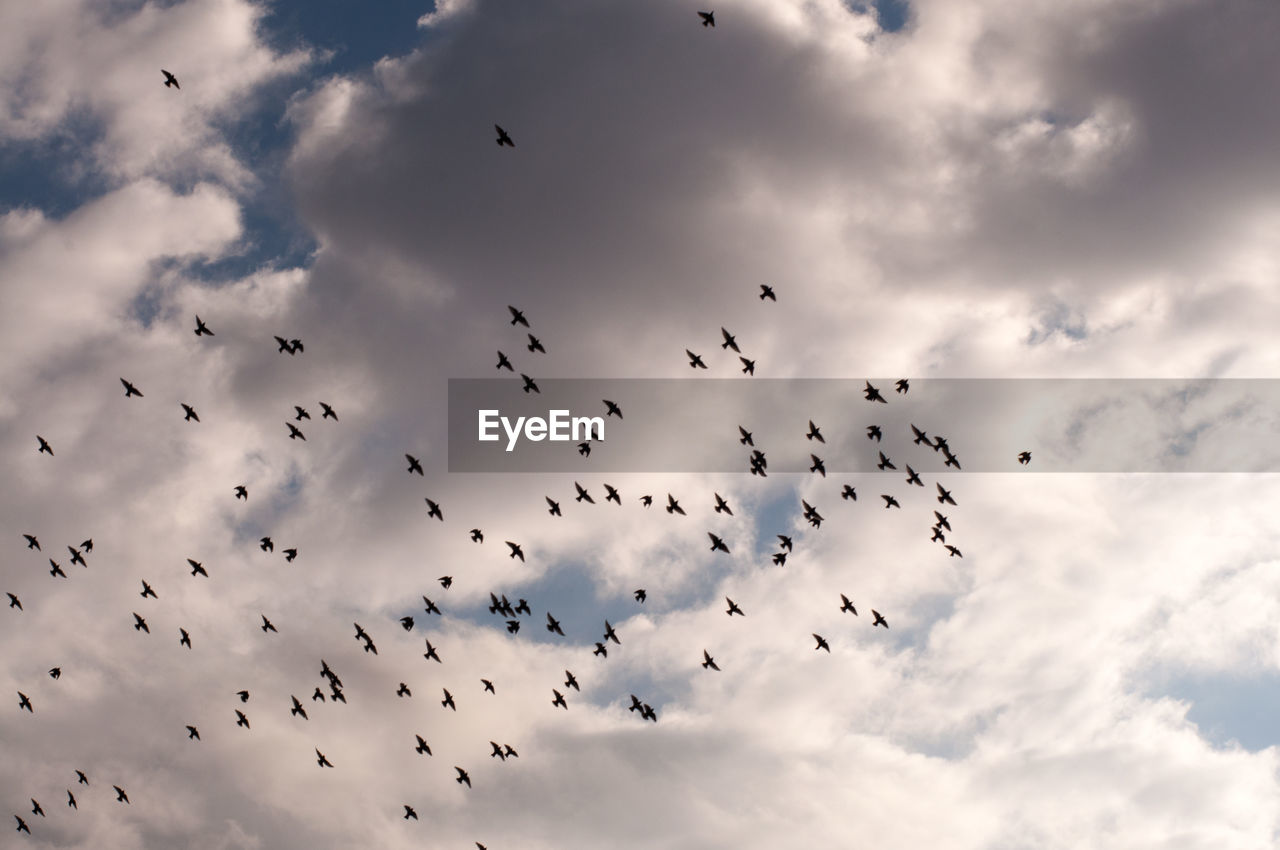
(330, 688)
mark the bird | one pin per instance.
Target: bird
(317, 694)
(522, 607)
(433, 510)
(171, 80)
(431, 654)
(197, 568)
(429, 606)
(889, 501)
(535, 344)
(647, 501)
(284, 348)
(733, 608)
(847, 605)
(295, 345)
(942, 521)
(244, 695)
(952, 460)
(87, 545)
(640, 595)
(290, 554)
(530, 386)
(944, 495)
(327, 412)
(938, 535)
(241, 720)
(517, 317)
(717, 543)
(611, 495)
(584, 449)
(76, 557)
(193, 734)
(873, 394)
(920, 436)
(25, 702)
(300, 413)
(513, 626)
(202, 329)
(147, 591)
(44, 446)
(647, 713)
(559, 700)
(913, 477)
(745, 437)
(612, 409)
(36, 809)
(55, 569)
(414, 465)
(879, 619)
(516, 551)
(488, 686)
(729, 341)
(601, 650)
(902, 386)
(780, 559)
(505, 139)
(510, 751)
(636, 705)
(447, 702)
(874, 433)
(32, 542)
(570, 681)
(266, 625)
(885, 463)
(294, 433)
(708, 662)
(673, 507)
(130, 389)
(121, 797)
(14, 602)
(22, 825)
(497, 751)
(722, 507)
(403, 691)
(140, 625)
(818, 466)
(410, 813)
(582, 494)
(811, 514)
(242, 492)
(767, 292)
(609, 633)
(190, 412)
(297, 710)
(81, 778)
(71, 800)
(185, 640)
(445, 581)
(504, 363)
(849, 493)
(822, 643)
(709, 20)
(748, 366)
(462, 776)
(785, 542)
(695, 361)
(815, 433)
(321, 760)
(955, 553)
(1024, 458)
(553, 625)
(422, 747)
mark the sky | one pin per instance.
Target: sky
(937, 190)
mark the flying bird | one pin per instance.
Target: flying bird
(429, 606)
(140, 625)
(767, 292)
(535, 344)
(879, 619)
(410, 813)
(785, 542)
(497, 751)
(942, 521)
(612, 409)
(446, 581)
(570, 681)
(902, 386)
(1024, 458)
(202, 329)
(849, 493)
(488, 686)
(847, 605)
(121, 797)
(529, 385)
(955, 553)
(673, 507)
(244, 695)
(284, 346)
(190, 412)
(748, 366)
(709, 20)
(242, 492)
(517, 317)
(818, 466)
(708, 661)
(81, 778)
(822, 643)
(431, 654)
(414, 465)
(76, 557)
(71, 800)
(647, 501)
(403, 691)
(25, 702)
(171, 80)
(290, 554)
(920, 437)
(433, 510)
(729, 341)
(266, 625)
(611, 495)
(609, 634)
(44, 446)
(35, 808)
(695, 361)
(582, 493)
(197, 569)
(733, 608)
(505, 139)
(717, 543)
(300, 413)
(874, 433)
(321, 761)
(889, 501)
(815, 433)
(811, 514)
(516, 551)
(32, 542)
(14, 602)
(185, 640)
(422, 748)
(22, 825)
(55, 569)
(640, 596)
(193, 734)
(559, 700)
(873, 394)
(780, 559)
(601, 650)
(944, 496)
(885, 463)
(130, 389)
(147, 591)
(722, 507)
(913, 477)
(294, 433)
(462, 776)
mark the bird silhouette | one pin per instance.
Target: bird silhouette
(414, 465)
(708, 662)
(55, 569)
(583, 495)
(431, 654)
(767, 292)
(171, 80)
(445, 581)
(71, 800)
(609, 633)
(873, 394)
(1024, 458)
(403, 691)
(748, 366)
(433, 510)
(121, 797)
(190, 412)
(516, 551)
(673, 507)
(185, 640)
(530, 386)
(422, 748)
(76, 557)
(44, 446)
(321, 760)
(885, 463)
(640, 595)
(488, 686)
(849, 493)
(32, 542)
(447, 702)
(36, 809)
(130, 389)
(81, 778)
(297, 710)
(326, 412)
(290, 554)
(504, 363)
(294, 433)
(611, 495)
(559, 700)
(517, 317)
(955, 553)
(722, 507)
(815, 433)
(601, 650)
(733, 608)
(22, 825)
(847, 605)
(140, 624)
(745, 437)
(717, 543)
(647, 501)
(535, 344)
(944, 495)
(244, 695)
(612, 409)
(410, 813)
(902, 386)
(817, 465)
(266, 625)
(729, 341)
(709, 20)
(920, 437)
(570, 681)
(780, 559)
(913, 477)
(942, 521)
(889, 501)
(785, 542)
(14, 602)
(822, 644)
(874, 433)
(462, 778)
(429, 606)
(879, 620)
(300, 413)
(242, 492)
(505, 139)
(241, 720)
(695, 361)
(197, 568)
(25, 702)
(147, 591)
(193, 734)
